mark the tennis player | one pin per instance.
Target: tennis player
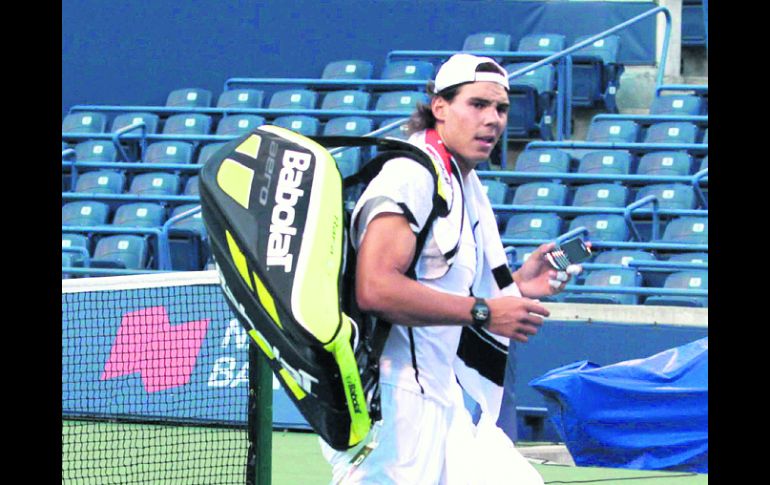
(426, 436)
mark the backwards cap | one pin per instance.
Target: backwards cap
(461, 68)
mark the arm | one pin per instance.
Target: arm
(383, 288)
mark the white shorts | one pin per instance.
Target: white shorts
(420, 442)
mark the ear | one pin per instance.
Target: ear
(439, 106)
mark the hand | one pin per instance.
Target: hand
(515, 318)
(536, 278)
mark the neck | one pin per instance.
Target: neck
(447, 152)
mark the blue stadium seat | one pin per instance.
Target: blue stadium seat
(542, 79)
(677, 104)
(348, 69)
(84, 213)
(139, 214)
(704, 163)
(692, 23)
(399, 132)
(616, 278)
(84, 122)
(189, 98)
(618, 131)
(532, 102)
(665, 163)
(101, 182)
(542, 42)
(293, 99)
(624, 256)
(72, 241)
(616, 162)
(683, 280)
(239, 124)
(302, 124)
(168, 152)
(348, 126)
(496, 190)
(543, 160)
(690, 257)
(541, 225)
(487, 41)
(120, 251)
(186, 236)
(188, 124)
(155, 183)
(670, 196)
(95, 151)
(401, 101)
(596, 73)
(602, 227)
(151, 121)
(191, 186)
(347, 99)
(672, 132)
(540, 193)
(192, 224)
(521, 254)
(409, 70)
(207, 150)
(687, 230)
(348, 161)
(241, 98)
(600, 195)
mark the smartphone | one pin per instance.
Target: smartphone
(569, 252)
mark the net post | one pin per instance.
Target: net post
(260, 427)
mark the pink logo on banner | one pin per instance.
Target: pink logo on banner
(164, 355)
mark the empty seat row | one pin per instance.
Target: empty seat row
(629, 131)
(131, 214)
(617, 162)
(149, 183)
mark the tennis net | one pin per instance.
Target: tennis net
(155, 382)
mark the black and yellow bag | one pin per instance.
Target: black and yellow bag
(272, 202)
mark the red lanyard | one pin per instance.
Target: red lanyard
(432, 139)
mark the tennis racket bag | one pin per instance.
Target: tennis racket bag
(272, 202)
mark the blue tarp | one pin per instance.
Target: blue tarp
(649, 414)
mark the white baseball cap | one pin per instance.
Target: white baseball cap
(461, 68)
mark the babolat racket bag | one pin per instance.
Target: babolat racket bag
(272, 202)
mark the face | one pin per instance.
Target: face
(471, 124)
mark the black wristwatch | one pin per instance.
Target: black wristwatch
(480, 313)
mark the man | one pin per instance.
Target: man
(426, 435)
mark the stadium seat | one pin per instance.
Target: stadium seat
(120, 251)
(84, 213)
(348, 126)
(191, 186)
(189, 98)
(188, 124)
(541, 225)
(542, 79)
(616, 162)
(532, 102)
(347, 99)
(169, 152)
(670, 196)
(101, 182)
(95, 151)
(616, 278)
(704, 163)
(487, 41)
(521, 254)
(690, 257)
(302, 124)
(188, 252)
(237, 125)
(348, 161)
(600, 195)
(683, 280)
(139, 214)
(401, 101)
(155, 183)
(399, 131)
(618, 131)
(192, 224)
(241, 98)
(543, 160)
(348, 69)
(540, 193)
(624, 256)
(541, 42)
(687, 230)
(293, 99)
(150, 120)
(677, 104)
(602, 227)
(73, 241)
(672, 132)
(496, 190)
(596, 73)
(409, 70)
(84, 122)
(665, 163)
(207, 150)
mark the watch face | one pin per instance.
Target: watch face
(480, 311)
